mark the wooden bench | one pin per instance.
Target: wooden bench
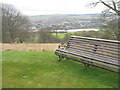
(96, 52)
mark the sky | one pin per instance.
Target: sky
(42, 7)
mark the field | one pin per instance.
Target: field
(39, 69)
(30, 47)
(63, 35)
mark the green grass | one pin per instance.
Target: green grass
(44, 71)
(60, 35)
(63, 35)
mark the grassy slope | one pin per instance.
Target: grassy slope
(45, 72)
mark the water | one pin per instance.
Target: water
(74, 30)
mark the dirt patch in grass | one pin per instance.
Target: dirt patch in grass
(30, 47)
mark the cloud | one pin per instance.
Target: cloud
(36, 7)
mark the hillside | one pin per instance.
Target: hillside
(66, 21)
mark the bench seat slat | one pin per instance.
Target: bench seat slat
(97, 62)
(99, 53)
(89, 56)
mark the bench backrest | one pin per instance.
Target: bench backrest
(101, 48)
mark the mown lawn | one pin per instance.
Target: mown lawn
(41, 70)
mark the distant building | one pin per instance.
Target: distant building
(33, 28)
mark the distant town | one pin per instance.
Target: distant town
(67, 21)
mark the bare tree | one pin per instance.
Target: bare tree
(113, 12)
(22, 32)
(113, 5)
(13, 23)
(112, 29)
(44, 35)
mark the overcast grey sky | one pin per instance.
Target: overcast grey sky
(40, 7)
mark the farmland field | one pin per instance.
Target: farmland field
(30, 47)
(39, 69)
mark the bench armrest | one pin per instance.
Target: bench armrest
(62, 45)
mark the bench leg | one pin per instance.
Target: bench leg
(85, 66)
(59, 58)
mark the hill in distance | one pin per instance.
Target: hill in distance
(66, 21)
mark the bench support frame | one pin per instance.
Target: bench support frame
(60, 58)
(85, 66)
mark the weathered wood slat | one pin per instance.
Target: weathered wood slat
(90, 42)
(93, 48)
(91, 57)
(99, 48)
(94, 54)
(101, 42)
(115, 67)
(99, 53)
(93, 43)
(96, 39)
(115, 49)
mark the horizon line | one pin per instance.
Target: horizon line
(63, 14)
